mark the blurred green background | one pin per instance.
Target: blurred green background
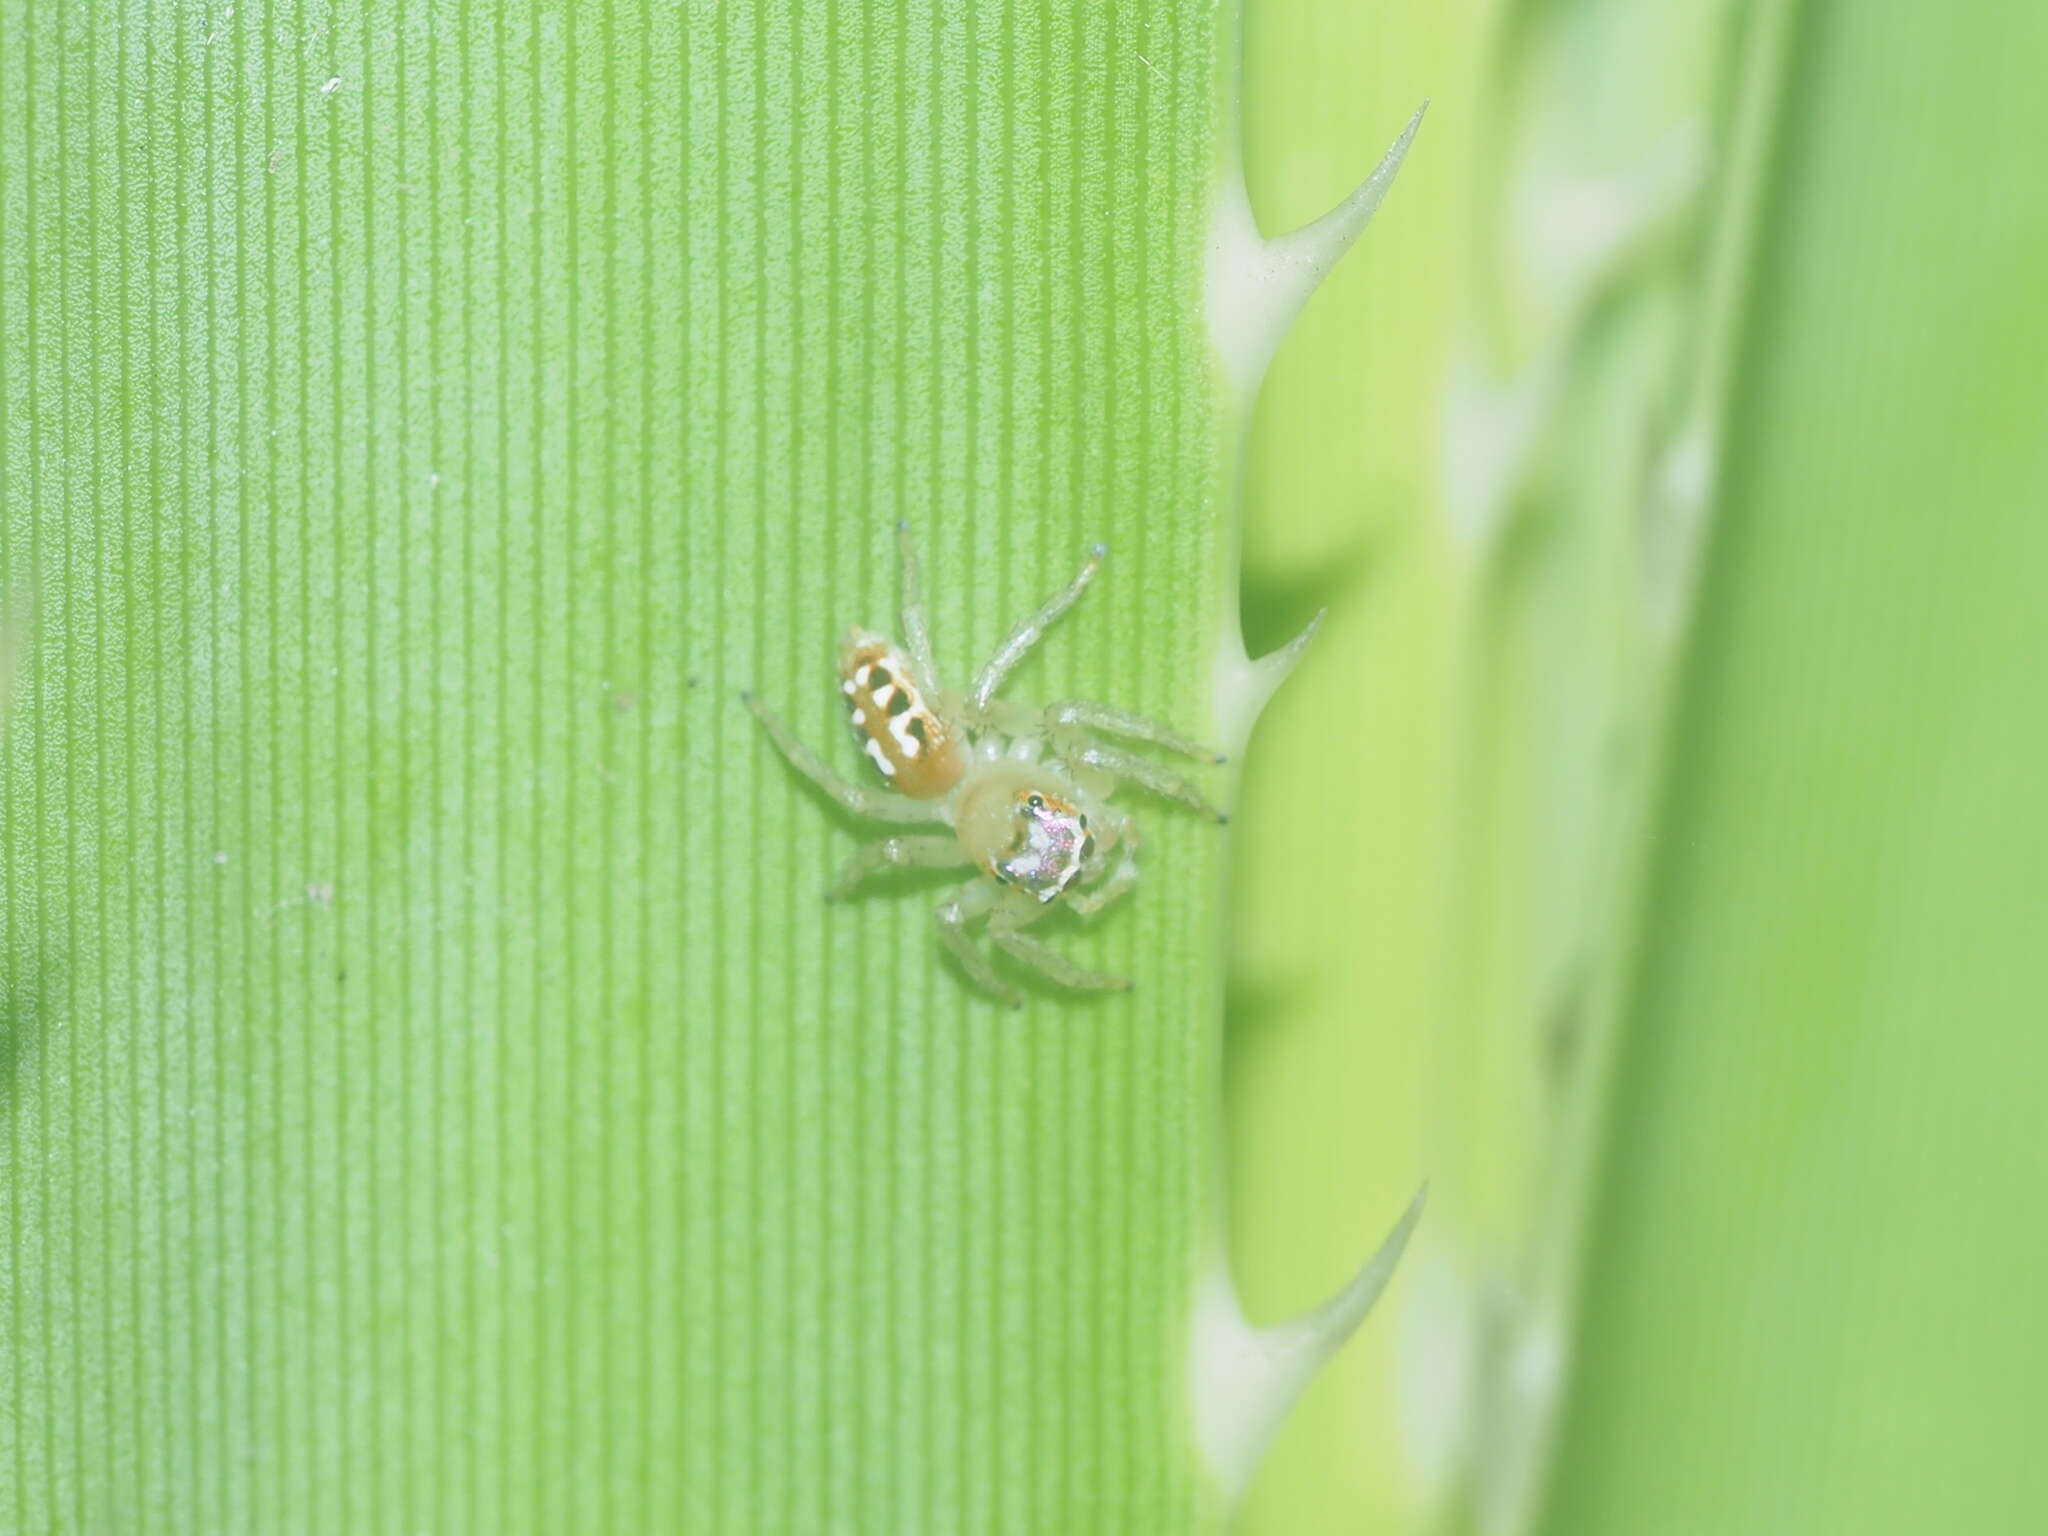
(1659, 869)
(434, 1098)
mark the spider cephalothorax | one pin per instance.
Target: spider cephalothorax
(1024, 792)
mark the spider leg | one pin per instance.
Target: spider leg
(881, 804)
(1012, 720)
(961, 907)
(1003, 927)
(1028, 633)
(1144, 774)
(1133, 727)
(1121, 879)
(898, 853)
(916, 635)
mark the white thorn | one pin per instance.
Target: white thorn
(1436, 1350)
(1256, 287)
(1314, 248)
(1243, 686)
(1492, 430)
(1675, 514)
(1571, 234)
(1570, 239)
(1245, 1379)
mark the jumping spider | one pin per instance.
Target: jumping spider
(1025, 791)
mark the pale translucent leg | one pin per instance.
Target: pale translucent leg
(963, 906)
(915, 633)
(1121, 879)
(898, 853)
(881, 804)
(1072, 719)
(1121, 722)
(1003, 926)
(1028, 633)
(1146, 775)
(1019, 722)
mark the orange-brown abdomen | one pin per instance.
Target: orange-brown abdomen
(899, 729)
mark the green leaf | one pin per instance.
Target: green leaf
(1822, 1170)
(436, 1093)
(1671, 840)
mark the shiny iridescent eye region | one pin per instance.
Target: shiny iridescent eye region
(1052, 844)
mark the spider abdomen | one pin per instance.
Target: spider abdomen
(899, 729)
